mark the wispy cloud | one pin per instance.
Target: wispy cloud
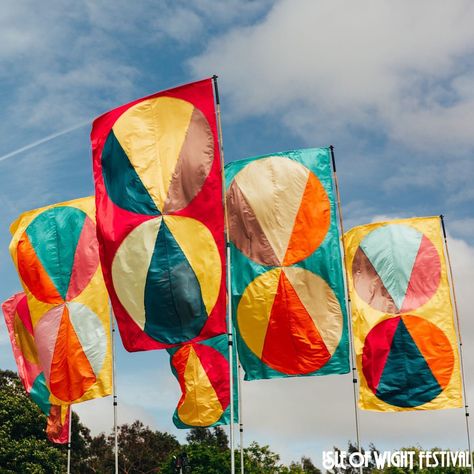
(371, 64)
(46, 139)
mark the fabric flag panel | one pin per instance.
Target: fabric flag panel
(56, 254)
(404, 333)
(202, 370)
(160, 219)
(287, 280)
(20, 330)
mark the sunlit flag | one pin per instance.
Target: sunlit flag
(202, 370)
(56, 254)
(404, 334)
(160, 217)
(287, 281)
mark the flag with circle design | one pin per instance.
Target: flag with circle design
(203, 372)
(20, 329)
(287, 281)
(160, 220)
(404, 334)
(55, 251)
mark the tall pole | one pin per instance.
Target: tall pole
(349, 309)
(114, 389)
(229, 283)
(461, 358)
(69, 441)
(241, 419)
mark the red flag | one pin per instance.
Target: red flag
(160, 218)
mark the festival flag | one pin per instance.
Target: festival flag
(20, 329)
(55, 251)
(202, 369)
(160, 221)
(404, 335)
(287, 280)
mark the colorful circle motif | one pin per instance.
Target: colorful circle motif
(279, 212)
(407, 361)
(396, 269)
(57, 258)
(291, 320)
(157, 156)
(168, 282)
(155, 161)
(72, 345)
(58, 267)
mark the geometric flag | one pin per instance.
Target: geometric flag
(20, 330)
(202, 370)
(404, 334)
(160, 218)
(287, 278)
(55, 251)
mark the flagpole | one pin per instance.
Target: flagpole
(114, 391)
(461, 358)
(69, 442)
(241, 420)
(349, 308)
(229, 283)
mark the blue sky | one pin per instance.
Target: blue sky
(390, 85)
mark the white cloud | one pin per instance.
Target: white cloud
(60, 66)
(463, 228)
(98, 415)
(181, 24)
(329, 67)
(186, 22)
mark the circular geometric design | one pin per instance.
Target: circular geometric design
(279, 212)
(167, 275)
(157, 156)
(206, 392)
(396, 269)
(291, 320)
(407, 361)
(58, 254)
(72, 345)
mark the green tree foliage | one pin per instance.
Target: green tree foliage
(216, 437)
(304, 466)
(260, 459)
(24, 447)
(207, 452)
(142, 450)
(89, 455)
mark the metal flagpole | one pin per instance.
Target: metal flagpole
(461, 358)
(114, 389)
(241, 420)
(229, 284)
(69, 441)
(349, 309)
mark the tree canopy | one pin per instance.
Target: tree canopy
(23, 444)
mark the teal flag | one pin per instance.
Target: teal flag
(288, 301)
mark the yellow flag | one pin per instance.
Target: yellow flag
(404, 334)
(55, 251)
